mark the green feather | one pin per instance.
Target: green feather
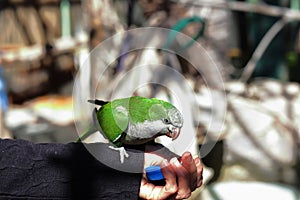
(112, 122)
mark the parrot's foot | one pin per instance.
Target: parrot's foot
(122, 151)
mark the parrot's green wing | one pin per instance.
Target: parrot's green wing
(113, 120)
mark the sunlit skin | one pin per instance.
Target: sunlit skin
(181, 177)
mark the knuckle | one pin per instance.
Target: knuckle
(171, 189)
(184, 196)
(188, 195)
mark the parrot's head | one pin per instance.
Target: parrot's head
(168, 119)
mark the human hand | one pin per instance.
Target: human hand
(189, 174)
(181, 177)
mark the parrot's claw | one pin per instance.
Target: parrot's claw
(122, 151)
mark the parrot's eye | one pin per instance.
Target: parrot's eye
(166, 121)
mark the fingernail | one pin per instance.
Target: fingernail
(189, 158)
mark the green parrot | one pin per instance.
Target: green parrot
(135, 120)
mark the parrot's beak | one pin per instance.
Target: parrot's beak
(173, 133)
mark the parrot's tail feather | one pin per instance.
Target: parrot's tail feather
(97, 102)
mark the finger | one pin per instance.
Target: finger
(146, 189)
(170, 179)
(189, 164)
(151, 191)
(199, 166)
(183, 178)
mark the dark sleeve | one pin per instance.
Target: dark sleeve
(66, 171)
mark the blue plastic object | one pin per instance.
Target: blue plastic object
(3, 94)
(154, 173)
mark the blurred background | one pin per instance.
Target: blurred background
(253, 43)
